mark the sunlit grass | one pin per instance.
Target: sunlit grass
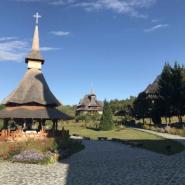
(149, 141)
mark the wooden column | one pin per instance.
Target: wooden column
(24, 125)
(43, 124)
(40, 125)
(56, 125)
(5, 124)
(53, 127)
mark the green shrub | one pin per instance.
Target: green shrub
(106, 122)
(162, 130)
(140, 125)
(50, 158)
(89, 120)
(82, 117)
(146, 126)
(174, 131)
(182, 132)
(153, 128)
(2, 107)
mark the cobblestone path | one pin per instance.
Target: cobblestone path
(101, 163)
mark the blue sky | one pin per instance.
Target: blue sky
(119, 46)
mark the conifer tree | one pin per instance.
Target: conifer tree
(141, 106)
(106, 122)
(178, 91)
(165, 91)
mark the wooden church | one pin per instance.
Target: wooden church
(32, 100)
(152, 89)
(89, 105)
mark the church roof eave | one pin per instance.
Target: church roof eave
(32, 88)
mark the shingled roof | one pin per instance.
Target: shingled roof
(153, 88)
(34, 112)
(34, 55)
(89, 103)
(32, 89)
(93, 102)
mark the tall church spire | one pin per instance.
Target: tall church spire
(92, 89)
(34, 58)
(35, 45)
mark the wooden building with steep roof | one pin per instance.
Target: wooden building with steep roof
(152, 90)
(32, 99)
(89, 104)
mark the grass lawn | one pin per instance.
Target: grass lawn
(149, 141)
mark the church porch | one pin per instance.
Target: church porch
(30, 121)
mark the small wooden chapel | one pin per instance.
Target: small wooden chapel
(32, 101)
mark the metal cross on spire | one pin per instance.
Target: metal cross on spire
(37, 16)
(92, 90)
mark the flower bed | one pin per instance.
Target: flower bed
(44, 151)
(35, 157)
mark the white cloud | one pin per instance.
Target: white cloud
(15, 50)
(159, 26)
(7, 38)
(128, 7)
(12, 50)
(48, 49)
(60, 33)
(33, 1)
(62, 2)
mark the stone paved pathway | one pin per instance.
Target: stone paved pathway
(101, 163)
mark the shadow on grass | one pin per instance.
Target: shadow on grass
(92, 128)
(161, 146)
(165, 146)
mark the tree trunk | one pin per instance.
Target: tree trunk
(40, 125)
(166, 120)
(170, 120)
(53, 127)
(143, 121)
(56, 126)
(43, 124)
(150, 121)
(180, 119)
